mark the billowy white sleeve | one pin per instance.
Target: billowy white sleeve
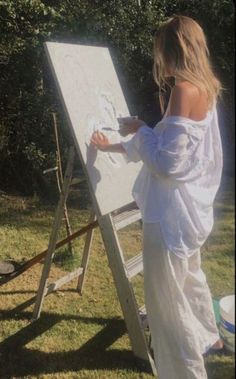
(170, 154)
(132, 154)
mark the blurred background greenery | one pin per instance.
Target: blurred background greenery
(28, 95)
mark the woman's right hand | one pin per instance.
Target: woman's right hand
(100, 141)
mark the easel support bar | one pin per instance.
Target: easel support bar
(25, 266)
(65, 279)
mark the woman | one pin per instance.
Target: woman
(175, 191)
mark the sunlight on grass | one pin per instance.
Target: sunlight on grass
(84, 336)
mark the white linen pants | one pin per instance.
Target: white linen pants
(179, 309)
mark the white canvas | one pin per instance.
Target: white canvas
(93, 99)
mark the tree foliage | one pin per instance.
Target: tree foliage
(28, 95)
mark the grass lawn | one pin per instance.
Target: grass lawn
(85, 336)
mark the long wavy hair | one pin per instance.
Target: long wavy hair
(180, 50)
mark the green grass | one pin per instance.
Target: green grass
(85, 336)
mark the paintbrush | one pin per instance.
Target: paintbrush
(122, 121)
(110, 129)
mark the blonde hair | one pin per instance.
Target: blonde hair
(180, 50)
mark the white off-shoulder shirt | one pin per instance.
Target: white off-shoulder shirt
(181, 173)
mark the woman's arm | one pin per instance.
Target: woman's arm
(101, 142)
(170, 157)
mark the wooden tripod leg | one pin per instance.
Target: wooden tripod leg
(67, 223)
(59, 175)
(86, 254)
(53, 237)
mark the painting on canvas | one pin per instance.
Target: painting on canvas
(93, 99)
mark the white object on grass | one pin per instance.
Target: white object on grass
(227, 321)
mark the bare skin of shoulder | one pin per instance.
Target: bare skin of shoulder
(186, 100)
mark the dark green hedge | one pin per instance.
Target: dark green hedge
(28, 95)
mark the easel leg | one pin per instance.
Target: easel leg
(68, 229)
(54, 236)
(86, 254)
(59, 175)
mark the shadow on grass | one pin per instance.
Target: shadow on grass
(20, 361)
(221, 369)
(67, 261)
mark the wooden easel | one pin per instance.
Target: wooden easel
(110, 215)
(122, 271)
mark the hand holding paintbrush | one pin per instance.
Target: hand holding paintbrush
(128, 125)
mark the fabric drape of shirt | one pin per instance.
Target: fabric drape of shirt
(181, 173)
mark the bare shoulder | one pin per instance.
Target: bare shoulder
(186, 88)
(184, 96)
(187, 100)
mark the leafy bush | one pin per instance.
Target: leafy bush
(28, 95)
